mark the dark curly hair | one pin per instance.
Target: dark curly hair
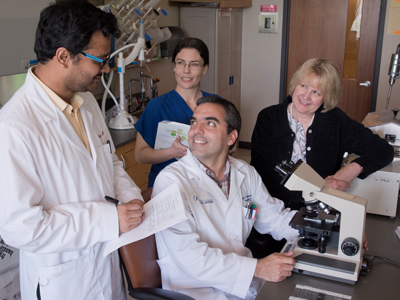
(71, 24)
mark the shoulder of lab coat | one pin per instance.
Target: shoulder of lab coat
(23, 221)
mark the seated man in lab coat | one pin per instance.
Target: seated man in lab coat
(205, 256)
(57, 164)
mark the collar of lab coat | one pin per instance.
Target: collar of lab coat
(51, 113)
(207, 184)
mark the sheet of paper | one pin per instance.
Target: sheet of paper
(162, 211)
(167, 132)
(9, 257)
(303, 292)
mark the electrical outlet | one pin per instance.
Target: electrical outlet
(268, 22)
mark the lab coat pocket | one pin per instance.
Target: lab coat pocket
(248, 222)
(164, 264)
(173, 278)
(77, 279)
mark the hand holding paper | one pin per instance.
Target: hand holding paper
(168, 131)
(163, 211)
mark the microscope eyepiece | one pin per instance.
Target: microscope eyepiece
(282, 169)
(286, 169)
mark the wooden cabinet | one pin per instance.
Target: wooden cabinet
(138, 172)
(221, 30)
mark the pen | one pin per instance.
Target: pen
(249, 205)
(109, 145)
(111, 200)
(115, 201)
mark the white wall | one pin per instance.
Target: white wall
(261, 64)
(390, 42)
(18, 22)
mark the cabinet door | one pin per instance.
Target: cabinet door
(229, 54)
(221, 30)
(224, 53)
(201, 23)
(236, 57)
(138, 172)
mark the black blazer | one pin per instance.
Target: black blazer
(330, 135)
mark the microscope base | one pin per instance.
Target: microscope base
(328, 265)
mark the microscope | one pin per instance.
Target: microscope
(331, 226)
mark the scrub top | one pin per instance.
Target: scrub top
(168, 107)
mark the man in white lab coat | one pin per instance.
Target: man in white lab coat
(57, 164)
(205, 256)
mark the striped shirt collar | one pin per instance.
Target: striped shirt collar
(224, 184)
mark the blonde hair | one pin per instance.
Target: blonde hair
(329, 81)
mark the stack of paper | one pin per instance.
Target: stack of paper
(9, 272)
(168, 131)
(162, 211)
(9, 256)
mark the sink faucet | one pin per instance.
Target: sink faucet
(152, 86)
(130, 87)
(141, 80)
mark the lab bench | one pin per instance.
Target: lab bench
(381, 282)
(125, 142)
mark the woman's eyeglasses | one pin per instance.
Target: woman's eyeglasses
(180, 64)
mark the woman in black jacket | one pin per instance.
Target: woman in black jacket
(309, 126)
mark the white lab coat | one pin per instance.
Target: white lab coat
(205, 256)
(52, 197)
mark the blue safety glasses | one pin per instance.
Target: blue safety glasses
(103, 61)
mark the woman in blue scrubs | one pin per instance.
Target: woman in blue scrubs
(190, 59)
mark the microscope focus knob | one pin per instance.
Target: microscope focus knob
(350, 246)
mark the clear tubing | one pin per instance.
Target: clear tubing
(107, 91)
(119, 5)
(140, 4)
(128, 13)
(144, 16)
(130, 37)
(151, 3)
(120, 10)
(119, 40)
(131, 3)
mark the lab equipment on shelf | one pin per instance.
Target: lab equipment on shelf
(134, 18)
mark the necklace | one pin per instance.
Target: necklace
(291, 113)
